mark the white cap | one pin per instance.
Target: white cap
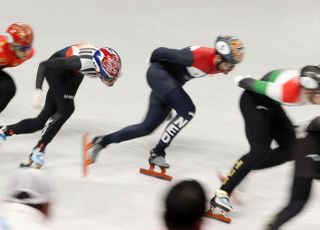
(33, 182)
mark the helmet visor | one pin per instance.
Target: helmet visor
(310, 80)
(21, 48)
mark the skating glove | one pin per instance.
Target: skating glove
(37, 98)
(237, 79)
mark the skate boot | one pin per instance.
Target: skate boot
(90, 151)
(159, 160)
(97, 146)
(219, 207)
(3, 135)
(222, 201)
(36, 159)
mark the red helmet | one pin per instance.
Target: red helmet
(108, 63)
(21, 33)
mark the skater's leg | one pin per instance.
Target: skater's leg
(258, 132)
(305, 170)
(156, 114)
(284, 134)
(65, 108)
(160, 82)
(7, 89)
(300, 194)
(180, 101)
(34, 124)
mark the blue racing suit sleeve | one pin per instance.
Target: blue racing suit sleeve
(182, 57)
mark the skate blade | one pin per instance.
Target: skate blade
(30, 164)
(160, 175)
(86, 161)
(218, 216)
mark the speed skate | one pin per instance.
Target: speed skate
(151, 172)
(30, 164)
(218, 214)
(236, 194)
(86, 161)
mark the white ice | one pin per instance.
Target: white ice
(277, 34)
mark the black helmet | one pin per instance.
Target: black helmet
(230, 48)
(310, 77)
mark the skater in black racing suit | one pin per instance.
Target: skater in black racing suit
(64, 72)
(307, 168)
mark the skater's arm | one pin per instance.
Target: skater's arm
(181, 57)
(269, 89)
(69, 63)
(40, 75)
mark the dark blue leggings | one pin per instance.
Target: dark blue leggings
(158, 111)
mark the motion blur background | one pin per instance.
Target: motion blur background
(277, 34)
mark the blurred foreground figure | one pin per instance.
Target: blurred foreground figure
(15, 48)
(28, 201)
(307, 167)
(64, 72)
(169, 70)
(185, 205)
(265, 121)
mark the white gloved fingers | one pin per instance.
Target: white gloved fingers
(237, 79)
(37, 98)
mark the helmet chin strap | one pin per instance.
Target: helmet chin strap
(219, 64)
(224, 61)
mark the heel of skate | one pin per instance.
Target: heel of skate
(86, 161)
(151, 172)
(218, 214)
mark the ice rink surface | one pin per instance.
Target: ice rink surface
(277, 34)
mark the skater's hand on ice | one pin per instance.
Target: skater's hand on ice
(37, 99)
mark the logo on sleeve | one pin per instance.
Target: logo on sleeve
(314, 157)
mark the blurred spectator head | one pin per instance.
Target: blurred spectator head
(30, 187)
(185, 205)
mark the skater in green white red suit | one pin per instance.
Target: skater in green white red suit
(265, 121)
